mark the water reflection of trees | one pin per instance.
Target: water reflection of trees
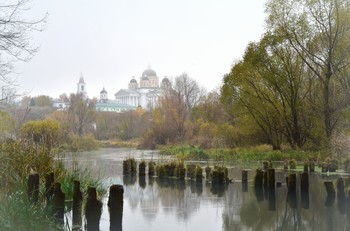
(283, 210)
(168, 196)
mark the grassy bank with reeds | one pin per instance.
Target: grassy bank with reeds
(17, 211)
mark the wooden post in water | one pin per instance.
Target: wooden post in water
(49, 187)
(292, 182)
(199, 173)
(93, 210)
(142, 168)
(115, 205)
(244, 176)
(58, 202)
(151, 168)
(258, 179)
(33, 186)
(271, 178)
(77, 202)
(304, 182)
(207, 172)
(312, 166)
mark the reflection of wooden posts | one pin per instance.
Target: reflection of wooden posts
(304, 182)
(58, 201)
(258, 179)
(244, 176)
(77, 200)
(271, 178)
(292, 182)
(272, 199)
(115, 205)
(306, 167)
(33, 186)
(49, 187)
(329, 187)
(93, 210)
(340, 188)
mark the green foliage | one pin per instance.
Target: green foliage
(18, 158)
(18, 213)
(185, 152)
(41, 132)
(7, 125)
(78, 143)
(41, 101)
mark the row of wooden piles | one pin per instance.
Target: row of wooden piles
(56, 199)
(176, 169)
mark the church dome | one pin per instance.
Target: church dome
(165, 80)
(133, 81)
(148, 72)
(103, 91)
(144, 78)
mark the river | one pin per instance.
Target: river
(166, 205)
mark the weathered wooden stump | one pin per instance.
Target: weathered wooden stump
(292, 182)
(258, 179)
(285, 165)
(329, 187)
(180, 171)
(93, 210)
(199, 173)
(142, 168)
(324, 167)
(33, 186)
(191, 171)
(265, 180)
(77, 202)
(58, 202)
(306, 167)
(244, 175)
(207, 172)
(49, 187)
(304, 182)
(151, 168)
(115, 205)
(271, 178)
(312, 165)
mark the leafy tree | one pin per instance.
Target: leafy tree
(81, 113)
(7, 126)
(319, 32)
(42, 101)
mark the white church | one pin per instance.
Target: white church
(144, 94)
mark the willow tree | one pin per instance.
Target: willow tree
(268, 89)
(319, 31)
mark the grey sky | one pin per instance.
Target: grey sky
(110, 41)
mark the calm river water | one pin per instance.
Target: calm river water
(165, 205)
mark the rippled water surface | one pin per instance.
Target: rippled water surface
(165, 205)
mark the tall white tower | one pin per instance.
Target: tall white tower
(81, 86)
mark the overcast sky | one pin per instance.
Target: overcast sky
(109, 41)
